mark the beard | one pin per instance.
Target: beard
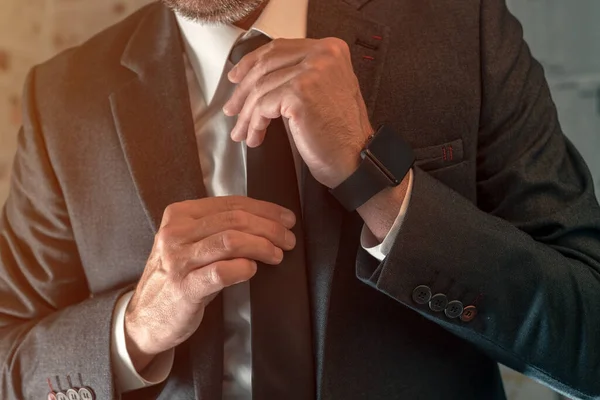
(215, 11)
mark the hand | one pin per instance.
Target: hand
(312, 84)
(202, 246)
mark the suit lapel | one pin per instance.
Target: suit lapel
(153, 117)
(323, 215)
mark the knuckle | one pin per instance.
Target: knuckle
(274, 44)
(336, 46)
(260, 85)
(230, 240)
(232, 203)
(293, 106)
(247, 268)
(311, 64)
(262, 64)
(165, 237)
(237, 219)
(170, 212)
(214, 275)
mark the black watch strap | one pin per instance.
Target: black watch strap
(386, 159)
(363, 184)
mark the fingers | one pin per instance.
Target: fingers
(281, 53)
(257, 130)
(201, 208)
(229, 245)
(238, 220)
(280, 101)
(260, 81)
(244, 100)
(202, 284)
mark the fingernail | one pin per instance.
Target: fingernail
(288, 218)
(232, 73)
(278, 255)
(290, 239)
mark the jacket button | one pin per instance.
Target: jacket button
(421, 295)
(438, 302)
(468, 314)
(453, 309)
(85, 393)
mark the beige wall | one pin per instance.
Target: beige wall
(31, 31)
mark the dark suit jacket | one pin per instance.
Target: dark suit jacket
(506, 221)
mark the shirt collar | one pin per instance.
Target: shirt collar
(207, 46)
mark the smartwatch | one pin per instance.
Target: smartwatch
(386, 159)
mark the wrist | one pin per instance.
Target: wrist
(343, 171)
(350, 163)
(134, 341)
(380, 212)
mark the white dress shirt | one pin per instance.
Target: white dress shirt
(223, 164)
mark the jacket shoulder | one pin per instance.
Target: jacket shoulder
(95, 64)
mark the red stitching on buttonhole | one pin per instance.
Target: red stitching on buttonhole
(444, 151)
(451, 153)
(369, 58)
(50, 384)
(377, 37)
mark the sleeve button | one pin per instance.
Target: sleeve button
(421, 295)
(468, 314)
(72, 394)
(438, 302)
(453, 309)
(86, 393)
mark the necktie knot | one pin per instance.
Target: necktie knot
(247, 46)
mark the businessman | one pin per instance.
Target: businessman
(292, 199)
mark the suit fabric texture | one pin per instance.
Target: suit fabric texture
(502, 215)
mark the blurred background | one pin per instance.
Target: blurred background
(564, 35)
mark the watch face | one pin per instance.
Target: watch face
(393, 154)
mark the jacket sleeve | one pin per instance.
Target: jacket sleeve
(50, 325)
(527, 255)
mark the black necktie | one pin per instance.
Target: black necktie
(282, 356)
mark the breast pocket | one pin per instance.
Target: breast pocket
(447, 163)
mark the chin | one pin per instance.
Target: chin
(214, 11)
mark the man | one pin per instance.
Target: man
(181, 220)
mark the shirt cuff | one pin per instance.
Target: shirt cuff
(128, 379)
(370, 243)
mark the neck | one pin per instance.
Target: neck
(247, 22)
